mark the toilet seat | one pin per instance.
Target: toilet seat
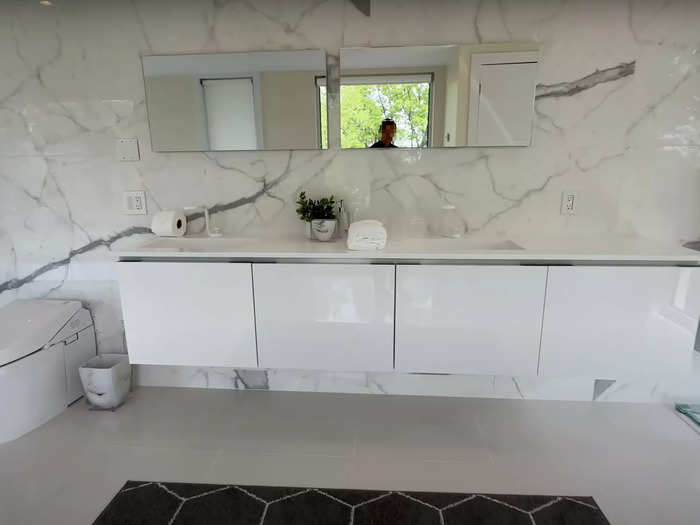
(28, 325)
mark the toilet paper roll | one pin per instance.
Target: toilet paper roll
(169, 223)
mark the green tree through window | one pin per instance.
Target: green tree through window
(364, 106)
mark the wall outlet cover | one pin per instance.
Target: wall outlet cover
(128, 149)
(569, 202)
(135, 203)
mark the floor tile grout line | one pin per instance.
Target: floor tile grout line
(255, 497)
(372, 500)
(502, 503)
(166, 489)
(290, 496)
(264, 513)
(214, 491)
(332, 497)
(137, 487)
(177, 511)
(548, 504)
(470, 497)
(418, 501)
(568, 498)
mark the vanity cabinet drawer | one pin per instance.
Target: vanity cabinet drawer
(189, 314)
(325, 316)
(620, 322)
(469, 319)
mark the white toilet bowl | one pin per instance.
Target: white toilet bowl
(42, 345)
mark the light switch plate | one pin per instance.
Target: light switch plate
(128, 149)
(135, 203)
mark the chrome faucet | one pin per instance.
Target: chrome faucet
(211, 232)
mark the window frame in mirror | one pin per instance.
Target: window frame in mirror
(465, 52)
(320, 70)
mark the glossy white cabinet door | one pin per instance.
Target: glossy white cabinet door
(469, 319)
(325, 316)
(617, 322)
(187, 313)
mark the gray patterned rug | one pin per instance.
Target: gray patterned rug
(153, 503)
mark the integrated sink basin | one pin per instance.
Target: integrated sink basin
(442, 244)
(198, 244)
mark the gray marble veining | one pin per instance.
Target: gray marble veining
(567, 89)
(617, 114)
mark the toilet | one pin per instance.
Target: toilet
(43, 342)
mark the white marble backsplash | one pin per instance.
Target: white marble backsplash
(617, 121)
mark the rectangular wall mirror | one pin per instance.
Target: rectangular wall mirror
(438, 96)
(265, 100)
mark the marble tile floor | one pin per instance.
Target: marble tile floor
(640, 462)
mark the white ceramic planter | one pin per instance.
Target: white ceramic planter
(323, 229)
(106, 380)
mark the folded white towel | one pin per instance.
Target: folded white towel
(366, 235)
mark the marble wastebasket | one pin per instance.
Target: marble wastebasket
(106, 380)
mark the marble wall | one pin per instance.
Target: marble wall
(617, 113)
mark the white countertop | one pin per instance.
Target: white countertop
(586, 249)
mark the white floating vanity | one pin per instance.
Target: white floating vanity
(612, 308)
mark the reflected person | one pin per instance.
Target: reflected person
(387, 131)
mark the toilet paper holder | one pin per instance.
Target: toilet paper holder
(211, 232)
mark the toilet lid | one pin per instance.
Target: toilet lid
(26, 325)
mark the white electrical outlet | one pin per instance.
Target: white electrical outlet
(569, 202)
(135, 202)
(128, 149)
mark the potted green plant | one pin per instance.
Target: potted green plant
(304, 212)
(319, 215)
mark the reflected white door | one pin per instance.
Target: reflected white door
(502, 97)
(325, 316)
(505, 104)
(230, 109)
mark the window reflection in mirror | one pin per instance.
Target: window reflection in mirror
(323, 112)
(262, 100)
(371, 106)
(438, 96)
